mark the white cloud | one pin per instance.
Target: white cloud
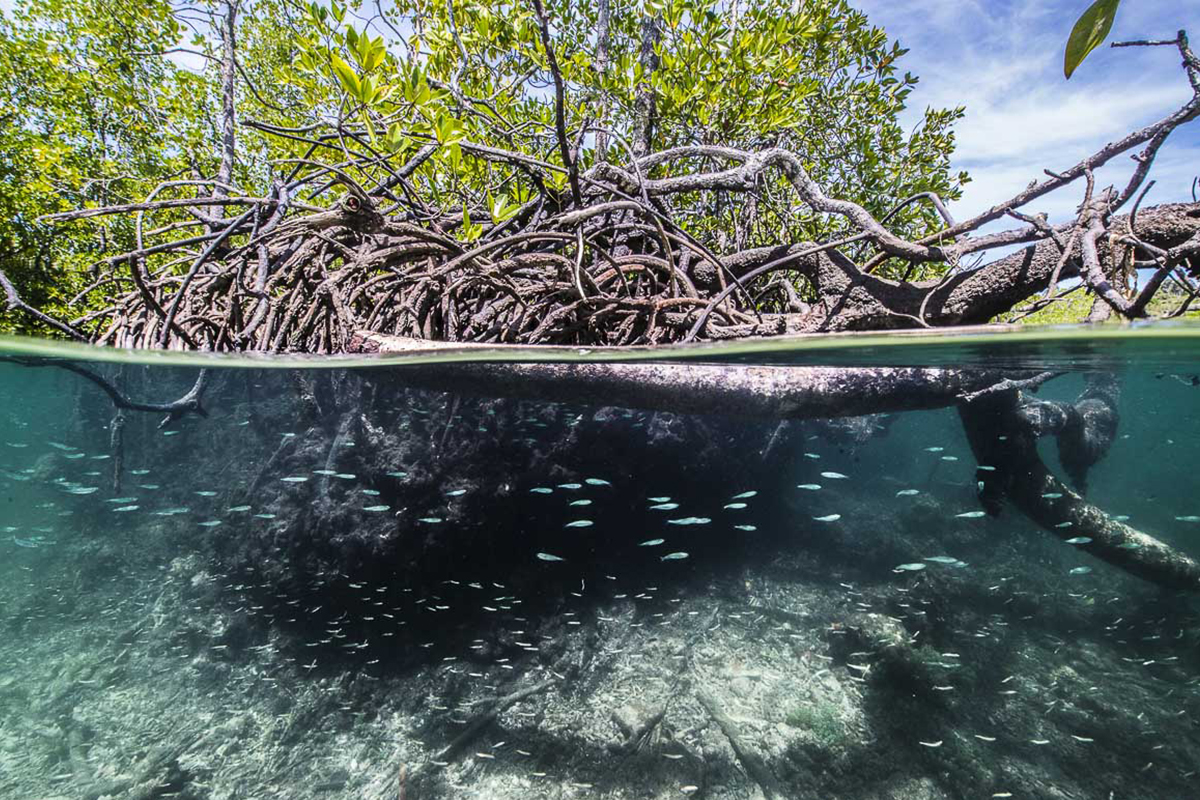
(1040, 122)
(1003, 61)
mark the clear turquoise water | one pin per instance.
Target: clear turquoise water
(323, 587)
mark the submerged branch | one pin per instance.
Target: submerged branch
(1003, 431)
(189, 403)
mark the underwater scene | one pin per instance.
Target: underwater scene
(228, 579)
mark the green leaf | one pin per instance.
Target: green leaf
(375, 56)
(347, 76)
(366, 92)
(1089, 32)
(396, 139)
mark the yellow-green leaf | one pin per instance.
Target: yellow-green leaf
(347, 76)
(1089, 32)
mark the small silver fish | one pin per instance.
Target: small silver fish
(264, 516)
(660, 499)
(126, 508)
(291, 479)
(934, 449)
(1051, 495)
(744, 495)
(397, 474)
(584, 502)
(674, 557)
(664, 507)
(239, 509)
(580, 523)
(949, 458)
(913, 567)
(549, 557)
(745, 527)
(596, 482)
(835, 476)
(971, 515)
(203, 493)
(811, 487)
(689, 521)
(811, 455)
(828, 518)
(541, 490)
(346, 476)
(570, 486)
(907, 492)
(652, 543)
(326, 472)
(1188, 518)
(735, 506)
(212, 523)
(377, 508)
(1080, 540)
(942, 559)
(1080, 571)
(430, 520)
(456, 493)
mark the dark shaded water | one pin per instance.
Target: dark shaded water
(338, 586)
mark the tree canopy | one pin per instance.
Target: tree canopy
(602, 173)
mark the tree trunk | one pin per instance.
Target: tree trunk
(645, 112)
(228, 103)
(603, 34)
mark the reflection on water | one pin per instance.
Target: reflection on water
(335, 585)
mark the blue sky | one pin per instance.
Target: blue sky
(1003, 61)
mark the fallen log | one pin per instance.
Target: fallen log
(777, 392)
